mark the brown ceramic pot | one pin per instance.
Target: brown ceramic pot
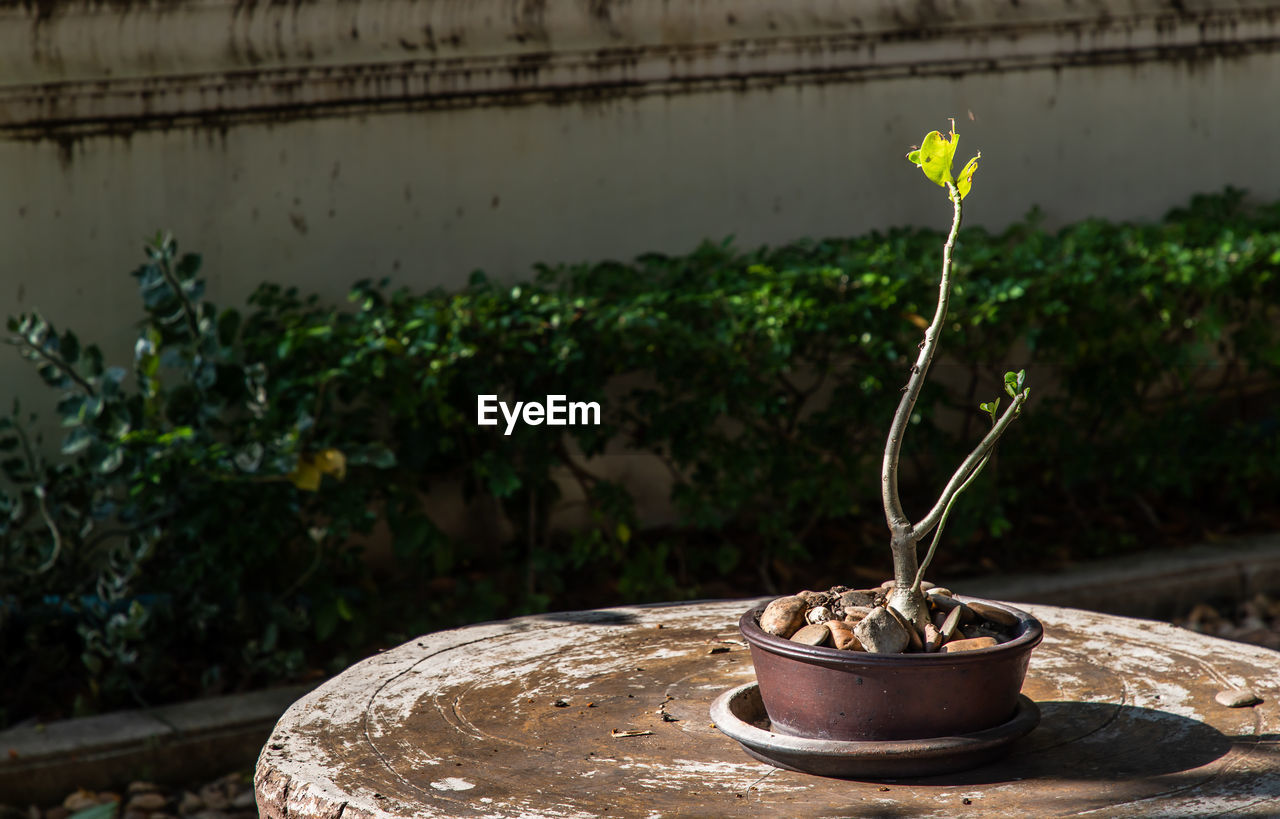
(826, 693)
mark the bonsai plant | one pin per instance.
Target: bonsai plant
(905, 663)
(934, 157)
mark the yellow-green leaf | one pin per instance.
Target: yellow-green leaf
(965, 182)
(934, 157)
(305, 476)
(332, 462)
(624, 533)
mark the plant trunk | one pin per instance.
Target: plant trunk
(907, 601)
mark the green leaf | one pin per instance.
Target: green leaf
(111, 461)
(965, 182)
(1010, 383)
(77, 441)
(344, 609)
(934, 157)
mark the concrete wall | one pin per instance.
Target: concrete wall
(321, 141)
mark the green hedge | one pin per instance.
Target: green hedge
(190, 554)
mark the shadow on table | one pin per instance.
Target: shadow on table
(628, 615)
(1107, 742)
(602, 617)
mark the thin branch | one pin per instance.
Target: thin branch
(53, 532)
(586, 479)
(970, 465)
(580, 472)
(35, 467)
(897, 520)
(306, 574)
(58, 362)
(188, 309)
(942, 523)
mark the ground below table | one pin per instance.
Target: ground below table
(605, 713)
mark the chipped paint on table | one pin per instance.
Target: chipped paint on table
(605, 713)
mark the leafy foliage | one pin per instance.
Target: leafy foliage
(162, 552)
(201, 527)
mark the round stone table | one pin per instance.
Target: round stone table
(605, 713)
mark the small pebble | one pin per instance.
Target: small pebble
(881, 633)
(814, 634)
(994, 614)
(855, 613)
(914, 643)
(968, 645)
(190, 803)
(147, 802)
(783, 616)
(941, 602)
(214, 798)
(842, 636)
(80, 800)
(1237, 698)
(813, 599)
(818, 614)
(857, 599)
(950, 624)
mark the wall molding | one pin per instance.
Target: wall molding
(273, 62)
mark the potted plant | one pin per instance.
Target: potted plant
(907, 678)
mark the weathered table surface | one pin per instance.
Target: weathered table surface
(529, 718)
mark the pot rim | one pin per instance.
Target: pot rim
(1032, 634)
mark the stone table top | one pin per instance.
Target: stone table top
(605, 713)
